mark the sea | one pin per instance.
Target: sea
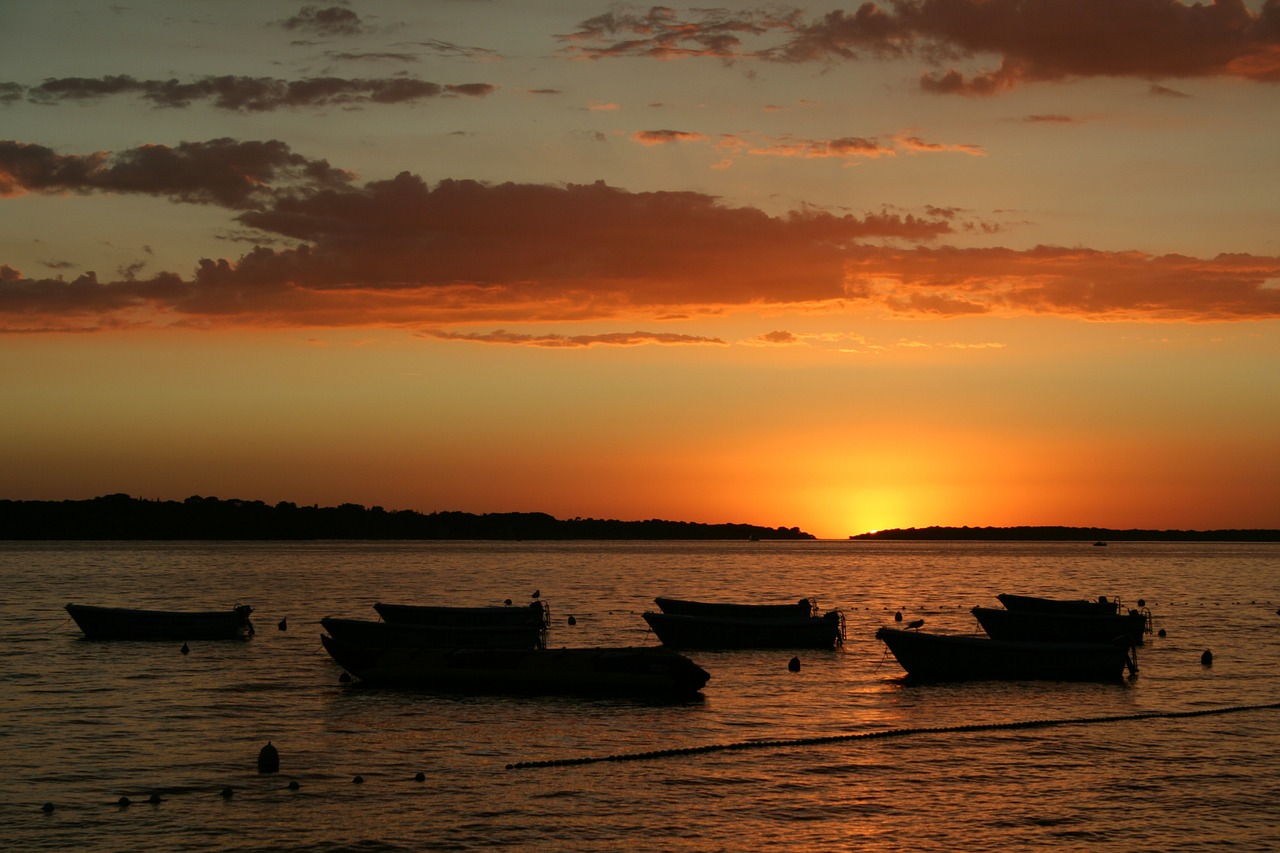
(843, 754)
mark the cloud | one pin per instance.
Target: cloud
(1034, 40)
(332, 21)
(626, 339)
(401, 252)
(664, 137)
(252, 94)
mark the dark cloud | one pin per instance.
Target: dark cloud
(402, 252)
(252, 94)
(331, 21)
(1034, 40)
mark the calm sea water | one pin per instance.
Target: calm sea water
(85, 723)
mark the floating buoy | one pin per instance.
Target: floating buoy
(537, 593)
(897, 617)
(794, 664)
(123, 802)
(506, 602)
(154, 799)
(1161, 633)
(573, 621)
(226, 793)
(359, 780)
(186, 650)
(420, 776)
(284, 624)
(47, 807)
(293, 786)
(1207, 658)
(1142, 602)
(268, 759)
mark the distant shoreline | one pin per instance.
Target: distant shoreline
(1100, 535)
(120, 517)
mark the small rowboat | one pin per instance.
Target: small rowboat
(1102, 606)
(1062, 627)
(386, 635)
(536, 614)
(803, 608)
(680, 631)
(127, 623)
(946, 657)
(644, 671)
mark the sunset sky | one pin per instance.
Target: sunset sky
(837, 266)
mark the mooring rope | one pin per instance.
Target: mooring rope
(885, 733)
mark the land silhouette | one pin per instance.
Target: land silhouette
(120, 516)
(1067, 534)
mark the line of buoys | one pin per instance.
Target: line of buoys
(884, 733)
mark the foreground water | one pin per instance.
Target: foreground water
(85, 723)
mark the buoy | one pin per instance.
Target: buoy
(47, 807)
(268, 759)
(1161, 633)
(1207, 658)
(284, 624)
(123, 802)
(226, 793)
(794, 664)
(293, 786)
(154, 799)
(506, 602)
(537, 593)
(897, 617)
(186, 650)
(573, 621)
(358, 780)
(420, 776)
(1142, 602)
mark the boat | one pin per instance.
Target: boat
(952, 657)
(1034, 604)
(685, 631)
(128, 623)
(386, 635)
(644, 671)
(1062, 627)
(683, 607)
(537, 613)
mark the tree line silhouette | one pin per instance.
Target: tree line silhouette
(1068, 534)
(120, 516)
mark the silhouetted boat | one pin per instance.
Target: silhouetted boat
(633, 671)
(1062, 627)
(1034, 604)
(945, 657)
(536, 613)
(367, 632)
(127, 623)
(708, 625)
(683, 607)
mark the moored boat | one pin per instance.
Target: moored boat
(947, 657)
(683, 607)
(367, 632)
(1062, 627)
(1035, 604)
(645, 671)
(129, 623)
(682, 631)
(536, 613)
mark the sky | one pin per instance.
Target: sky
(841, 267)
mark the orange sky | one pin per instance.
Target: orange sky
(837, 267)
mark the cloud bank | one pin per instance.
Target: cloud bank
(402, 252)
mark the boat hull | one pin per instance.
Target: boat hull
(365, 632)
(801, 609)
(634, 671)
(126, 623)
(941, 657)
(1061, 627)
(680, 631)
(1034, 604)
(537, 614)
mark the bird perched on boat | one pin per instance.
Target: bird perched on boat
(915, 623)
